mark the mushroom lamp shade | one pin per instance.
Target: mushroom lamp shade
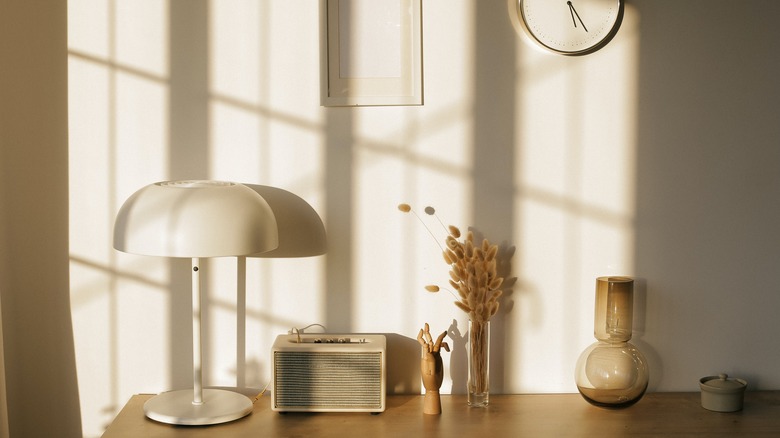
(196, 219)
(301, 231)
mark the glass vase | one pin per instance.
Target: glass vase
(478, 363)
(612, 372)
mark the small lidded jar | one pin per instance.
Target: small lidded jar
(721, 394)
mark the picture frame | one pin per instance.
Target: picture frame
(371, 52)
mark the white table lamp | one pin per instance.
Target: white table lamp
(196, 219)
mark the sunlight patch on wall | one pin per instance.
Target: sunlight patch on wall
(421, 156)
(575, 198)
(291, 60)
(235, 146)
(374, 254)
(236, 49)
(118, 135)
(296, 153)
(89, 107)
(141, 117)
(141, 35)
(89, 27)
(143, 321)
(391, 170)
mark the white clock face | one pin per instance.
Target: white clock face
(571, 27)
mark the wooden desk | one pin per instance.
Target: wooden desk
(549, 415)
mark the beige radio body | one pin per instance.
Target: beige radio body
(329, 373)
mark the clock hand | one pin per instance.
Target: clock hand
(571, 7)
(571, 11)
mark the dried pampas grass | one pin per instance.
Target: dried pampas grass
(472, 272)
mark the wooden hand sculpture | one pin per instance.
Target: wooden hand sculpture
(432, 369)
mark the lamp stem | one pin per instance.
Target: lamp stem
(197, 354)
(241, 322)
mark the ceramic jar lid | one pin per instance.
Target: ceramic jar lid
(721, 394)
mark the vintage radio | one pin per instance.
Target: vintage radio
(329, 373)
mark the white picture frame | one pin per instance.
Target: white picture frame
(371, 52)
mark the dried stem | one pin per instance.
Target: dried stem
(407, 209)
(479, 344)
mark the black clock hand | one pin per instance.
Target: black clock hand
(571, 8)
(571, 11)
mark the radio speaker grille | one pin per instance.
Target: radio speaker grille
(328, 380)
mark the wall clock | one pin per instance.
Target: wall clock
(570, 27)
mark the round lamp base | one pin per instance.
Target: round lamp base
(176, 407)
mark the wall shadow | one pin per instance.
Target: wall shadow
(403, 365)
(339, 160)
(188, 158)
(493, 145)
(38, 347)
(708, 187)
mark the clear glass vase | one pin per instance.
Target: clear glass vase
(479, 363)
(612, 372)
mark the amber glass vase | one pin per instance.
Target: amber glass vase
(612, 372)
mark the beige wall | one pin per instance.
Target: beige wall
(40, 374)
(655, 157)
